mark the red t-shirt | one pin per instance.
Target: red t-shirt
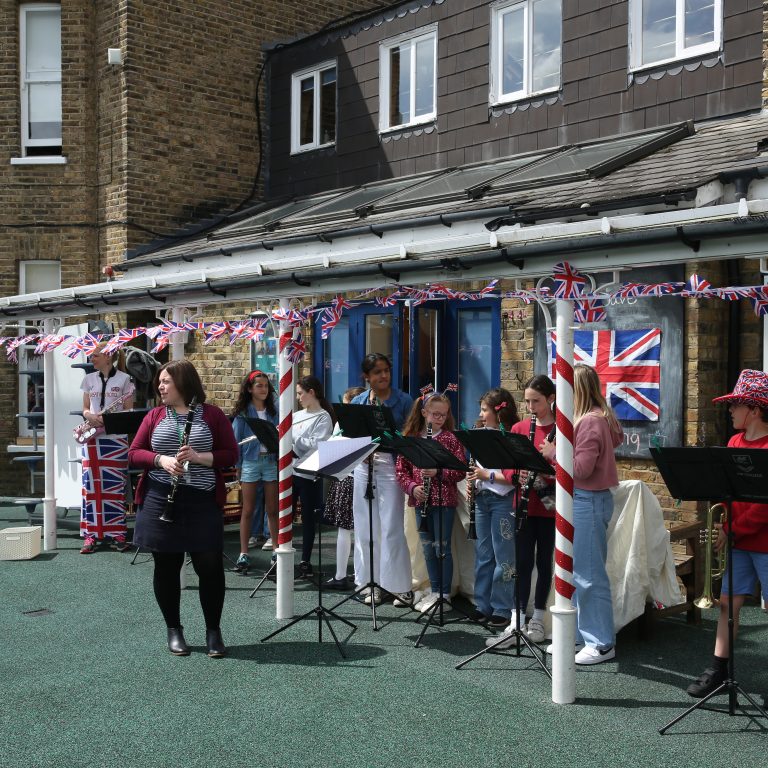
(750, 520)
(535, 507)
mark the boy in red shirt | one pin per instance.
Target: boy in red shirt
(748, 406)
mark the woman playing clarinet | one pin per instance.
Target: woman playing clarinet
(105, 457)
(536, 536)
(192, 444)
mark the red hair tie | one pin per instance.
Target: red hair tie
(498, 407)
(253, 374)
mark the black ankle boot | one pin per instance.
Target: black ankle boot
(216, 647)
(177, 645)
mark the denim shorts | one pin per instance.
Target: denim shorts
(264, 468)
(748, 567)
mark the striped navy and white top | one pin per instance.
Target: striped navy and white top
(166, 440)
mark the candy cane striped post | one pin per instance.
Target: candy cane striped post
(563, 612)
(285, 558)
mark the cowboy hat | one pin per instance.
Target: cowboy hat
(751, 389)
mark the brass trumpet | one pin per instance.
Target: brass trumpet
(715, 563)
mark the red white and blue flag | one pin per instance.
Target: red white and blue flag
(569, 282)
(589, 310)
(628, 363)
(105, 466)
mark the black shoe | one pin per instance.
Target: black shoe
(305, 570)
(498, 622)
(177, 645)
(335, 583)
(479, 616)
(215, 644)
(708, 681)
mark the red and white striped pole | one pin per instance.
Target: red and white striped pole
(284, 608)
(563, 612)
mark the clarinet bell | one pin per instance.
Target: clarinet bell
(167, 514)
(472, 531)
(424, 524)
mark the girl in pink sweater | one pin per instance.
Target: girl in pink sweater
(435, 410)
(597, 434)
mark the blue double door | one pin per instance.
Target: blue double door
(433, 343)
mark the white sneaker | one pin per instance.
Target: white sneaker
(589, 655)
(376, 596)
(252, 542)
(507, 643)
(535, 631)
(577, 647)
(403, 599)
(427, 602)
(267, 544)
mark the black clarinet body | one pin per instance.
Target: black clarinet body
(170, 501)
(472, 530)
(531, 479)
(427, 484)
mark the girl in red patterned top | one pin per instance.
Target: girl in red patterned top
(440, 507)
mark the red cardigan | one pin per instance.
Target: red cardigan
(225, 449)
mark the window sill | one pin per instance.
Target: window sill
(506, 101)
(40, 160)
(678, 61)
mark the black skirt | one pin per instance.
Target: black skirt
(198, 524)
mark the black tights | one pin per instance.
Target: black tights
(209, 567)
(536, 541)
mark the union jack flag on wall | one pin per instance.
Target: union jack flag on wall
(628, 363)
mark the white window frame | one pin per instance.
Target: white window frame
(27, 359)
(681, 52)
(296, 78)
(497, 96)
(415, 37)
(24, 80)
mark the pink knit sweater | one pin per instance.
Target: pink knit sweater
(594, 464)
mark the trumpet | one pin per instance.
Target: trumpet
(715, 563)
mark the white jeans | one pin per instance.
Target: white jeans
(391, 558)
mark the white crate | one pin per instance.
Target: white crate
(20, 543)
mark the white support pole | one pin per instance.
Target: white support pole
(49, 462)
(563, 612)
(284, 605)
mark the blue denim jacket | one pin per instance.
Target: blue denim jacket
(400, 402)
(250, 451)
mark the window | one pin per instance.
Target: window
(407, 71)
(40, 77)
(666, 30)
(313, 108)
(34, 277)
(525, 48)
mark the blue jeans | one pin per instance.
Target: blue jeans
(494, 554)
(430, 544)
(259, 526)
(592, 512)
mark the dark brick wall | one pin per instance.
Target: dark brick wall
(597, 97)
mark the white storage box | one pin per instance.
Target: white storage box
(20, 543)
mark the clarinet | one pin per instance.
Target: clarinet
(472, 531)
(427, 483)
(527, 485)
(531, 479)
(167, 516)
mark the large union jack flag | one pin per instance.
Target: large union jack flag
(628, 363)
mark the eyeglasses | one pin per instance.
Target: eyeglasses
(436, 415)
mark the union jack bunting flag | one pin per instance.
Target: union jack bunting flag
(660, 289)
(329, 320)
(296, 349)
(216, 331)
(14, 344)
(760, 305)
(86, 344)
(161, 342)
(628, 363)
(694, 285)
(121, 338)
(256, 329)
(427, 389)
(569, 282)
(105, 463)
(589, 310)
(48, 343)
(294, 317)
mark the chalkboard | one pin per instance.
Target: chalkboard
(666, 313)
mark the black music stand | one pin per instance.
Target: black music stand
(429, 454)
(377, 423)
(506, 450)
(727, 474)
(319, 611)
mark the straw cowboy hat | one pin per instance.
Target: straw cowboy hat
(751, 389)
